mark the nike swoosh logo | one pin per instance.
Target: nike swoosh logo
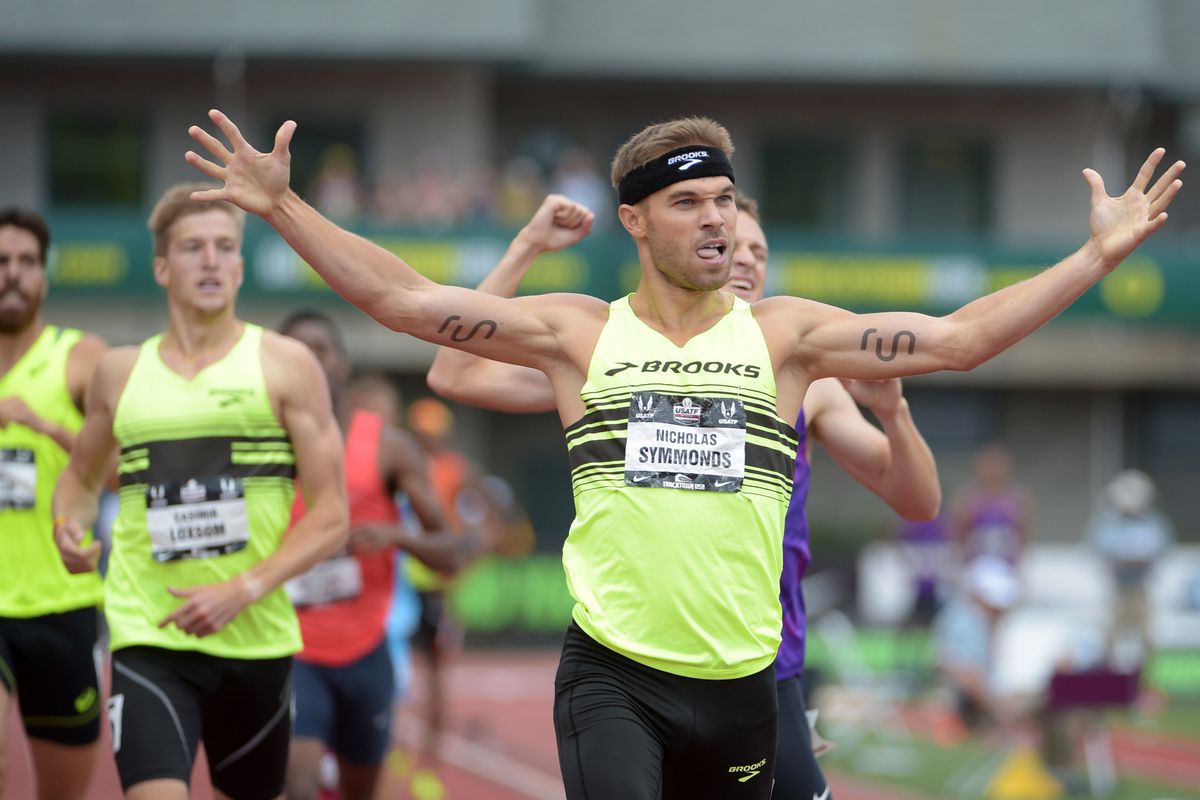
(719, 484)
(640, 478)
(824, 795)
(748, 776)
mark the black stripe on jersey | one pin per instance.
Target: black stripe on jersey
(724, 389)
(183, 459)
(610, 449)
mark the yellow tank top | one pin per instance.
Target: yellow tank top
(682, 473)
(33, 580)
(206, 475)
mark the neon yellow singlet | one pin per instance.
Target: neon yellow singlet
(682, 472)
(206, 492)
(33, 580)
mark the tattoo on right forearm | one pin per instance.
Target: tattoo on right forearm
(457, 334)
(912, 343)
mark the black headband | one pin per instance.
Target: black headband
(682, 164)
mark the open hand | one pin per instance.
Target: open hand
(255, 182)
(1119, 224)
(559, 222)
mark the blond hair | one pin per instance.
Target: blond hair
(663, 137)
(177, 203)
(747, 205)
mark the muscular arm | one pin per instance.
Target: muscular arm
(895, 464)
(295, 378)
(93, 458)
(831, 341)
(465, 378)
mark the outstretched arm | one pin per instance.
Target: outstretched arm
(465, 378)
(521, 330)
(895, 464)
(836, 342)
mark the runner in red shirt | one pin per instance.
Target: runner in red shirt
(343, 677)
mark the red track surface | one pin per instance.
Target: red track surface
(500, 742)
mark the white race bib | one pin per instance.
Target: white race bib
(678, 442)
(329, 581)
(18, 480)
(201, 518)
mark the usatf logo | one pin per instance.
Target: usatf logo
(157, 495)
(750, 769)
(645, 406)
(687, 412)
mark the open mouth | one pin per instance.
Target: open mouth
(209, 283)
(712, 251)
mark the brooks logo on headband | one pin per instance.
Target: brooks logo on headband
(667, 168)
(692, 159)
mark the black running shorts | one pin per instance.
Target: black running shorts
(49, 663)
(629, 731)
(165, 702)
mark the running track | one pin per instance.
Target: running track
(500, 743)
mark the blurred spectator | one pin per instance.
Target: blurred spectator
(926, 548)
(479, 197)
(433, 199)
(1131, 534)
(335, 190)
(577, 179)
(964, 636)
(521, 190)
(992, 515)
(388, 200)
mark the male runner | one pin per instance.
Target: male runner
(48, 617)
(210, 423)
(896, 464)
(343, 676)
(677, 403)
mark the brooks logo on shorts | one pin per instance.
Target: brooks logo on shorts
(750, 769)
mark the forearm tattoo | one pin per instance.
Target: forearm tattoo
(457, 334)
(909, 335)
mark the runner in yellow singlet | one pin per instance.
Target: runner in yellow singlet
(211, 424)
(48, 617)
(677, 403)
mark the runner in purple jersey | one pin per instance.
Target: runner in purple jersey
(993, 514)
(896, 463)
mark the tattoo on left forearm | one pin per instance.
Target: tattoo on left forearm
(457, 334)
(912, 343)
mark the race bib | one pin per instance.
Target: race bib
(18, 480)
(677, 442)
(329, 581)
(201, 518)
